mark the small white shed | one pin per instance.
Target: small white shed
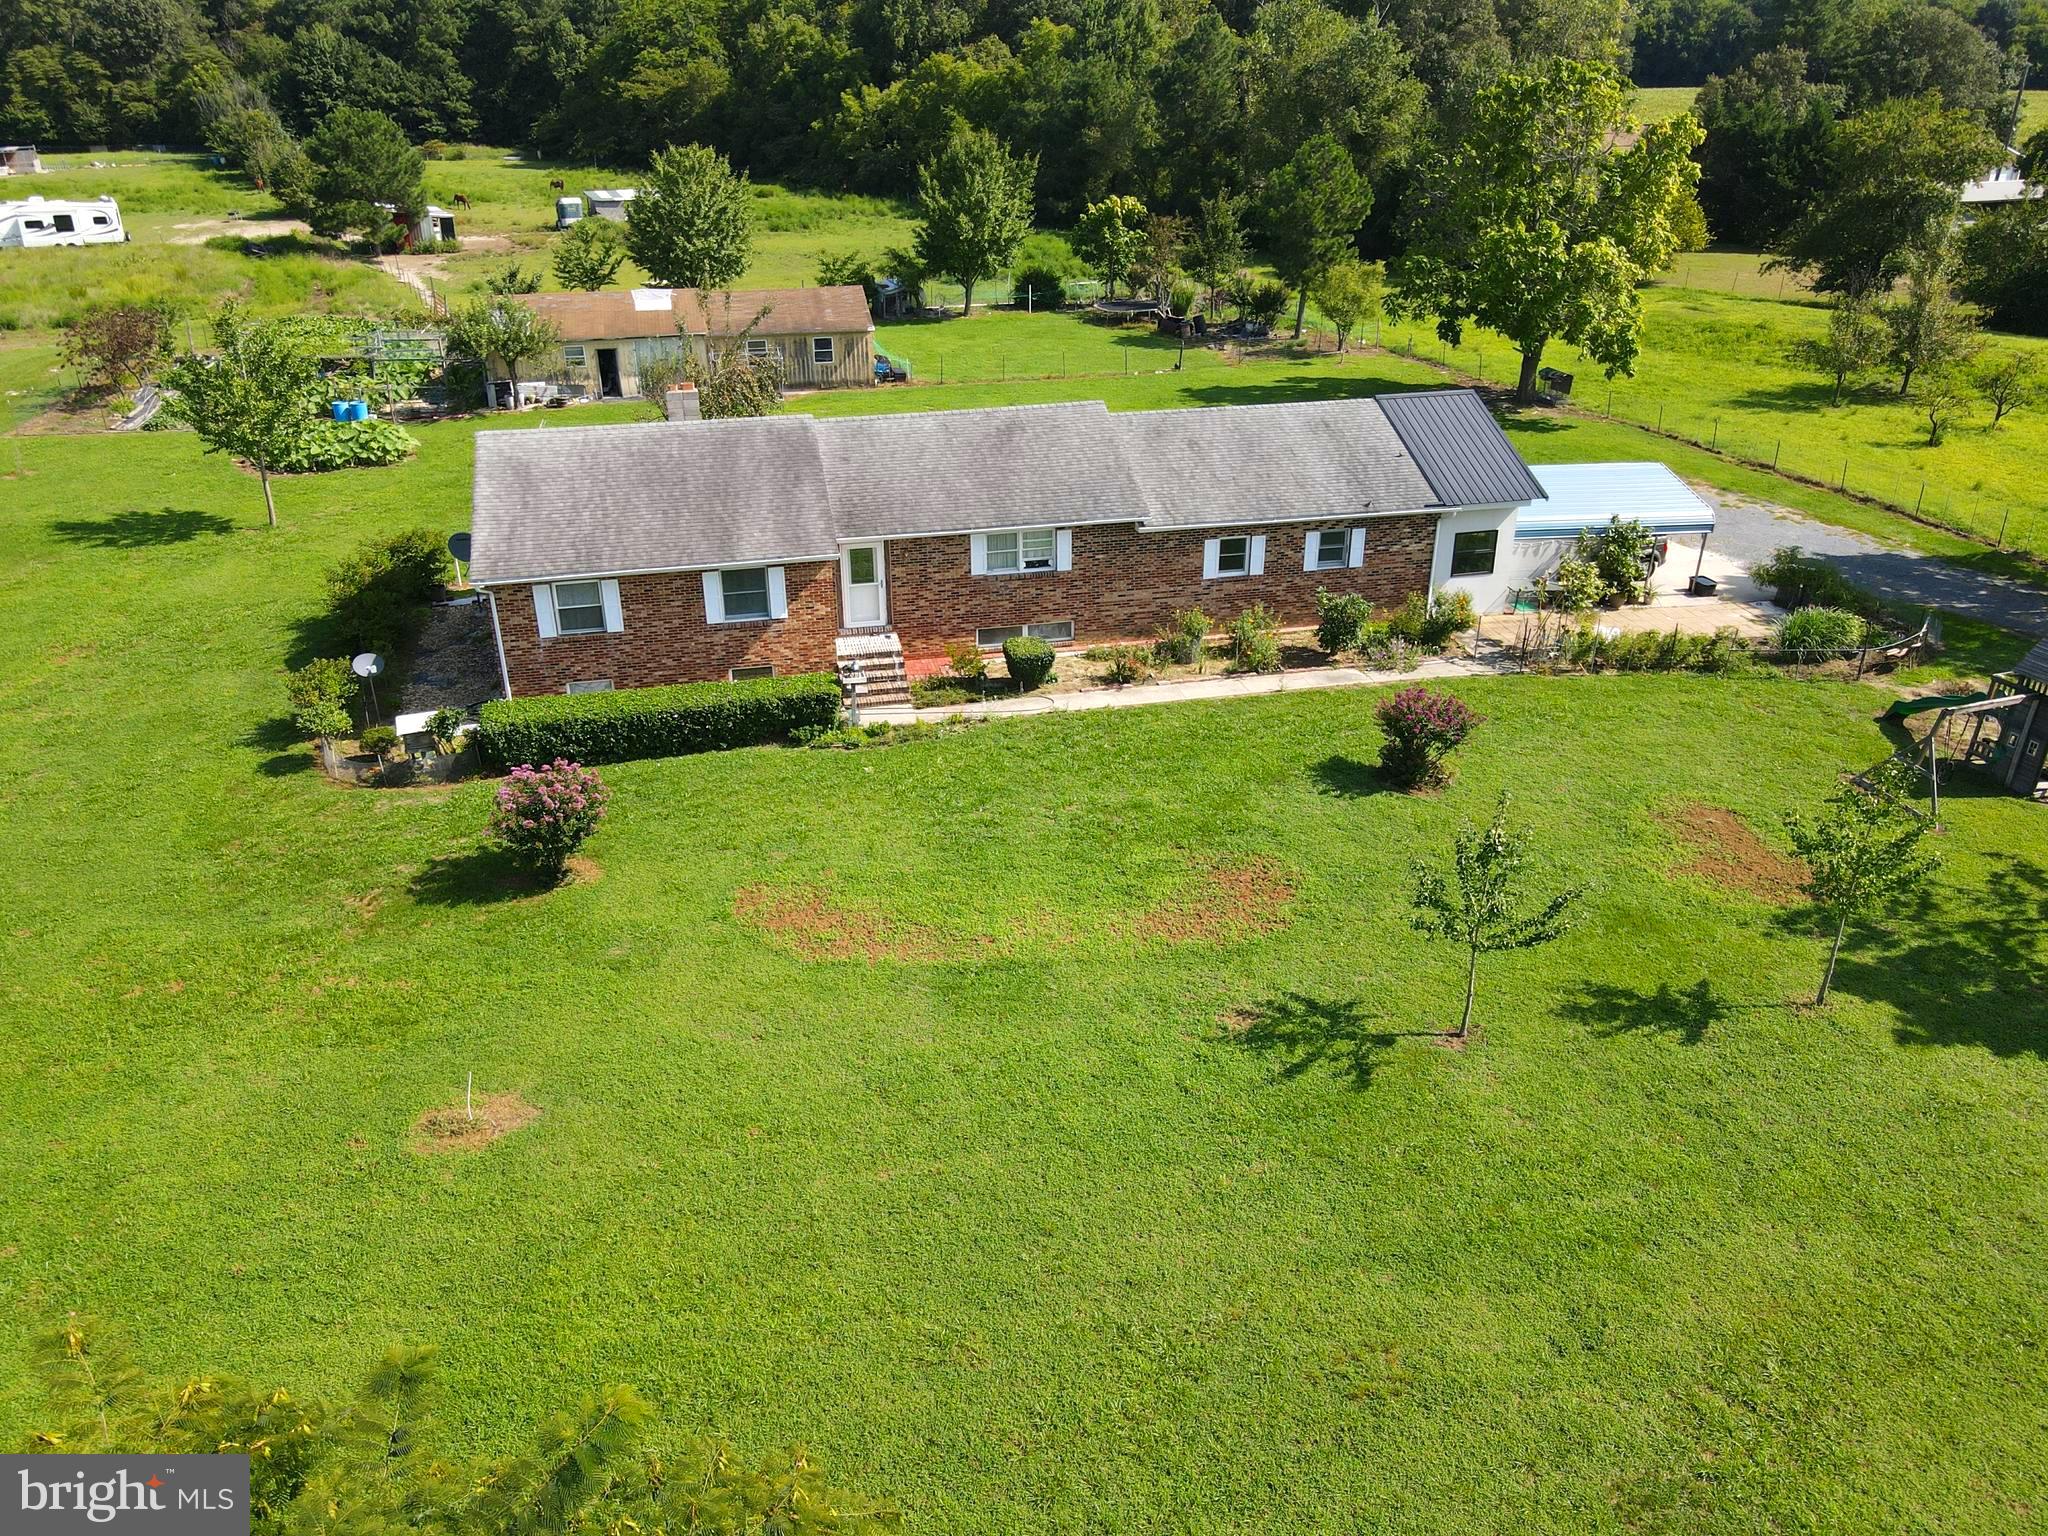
(609, 202)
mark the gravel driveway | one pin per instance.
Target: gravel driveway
(1747, 531)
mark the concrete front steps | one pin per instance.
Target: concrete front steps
(875, 660)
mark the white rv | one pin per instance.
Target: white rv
(60, 221)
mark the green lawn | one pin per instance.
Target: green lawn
(1661, 103)
(1062, 1226)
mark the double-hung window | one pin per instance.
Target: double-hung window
(1233, 555)
(746, 593)
(1032, 549)
(1333, 549)
(821, 351)
(756, 347)
(579, 608)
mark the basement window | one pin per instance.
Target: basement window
(748, 674)
(1053, 631)
(589, 685)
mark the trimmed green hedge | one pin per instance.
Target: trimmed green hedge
(626, 723)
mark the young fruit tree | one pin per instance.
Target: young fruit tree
(1348, 296)
(1863, 857)
(2006, 381)
(692, 226)
(1476, 900)
(732, 382)
(1539, 224)
(1931, 331)
(589, 253)
(503, 329)
(1110, 237)
(116, 346)
(1851, 346)
(256, 398)
(1215, 244)
(973, 209)
(1314, 205)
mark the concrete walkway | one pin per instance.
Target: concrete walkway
(1188, 691)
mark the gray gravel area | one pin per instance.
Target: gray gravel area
(1747, 531)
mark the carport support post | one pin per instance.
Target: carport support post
(1701, 562)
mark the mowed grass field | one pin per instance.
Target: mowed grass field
(1098, 1199)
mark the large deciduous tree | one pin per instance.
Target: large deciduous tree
(1895, 170)
(973, 209)
(1768, 145)
(1543, 218)
(256, 398)
(365, 176)
(2005, 265)
(692, 226)
(1314, 205)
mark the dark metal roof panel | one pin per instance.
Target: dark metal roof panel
(1460, 448)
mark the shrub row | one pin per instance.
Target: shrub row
(1722, 652)
(628, 723)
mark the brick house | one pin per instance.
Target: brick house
(626, 556)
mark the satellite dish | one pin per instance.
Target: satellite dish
(369, 664)
(458, 546)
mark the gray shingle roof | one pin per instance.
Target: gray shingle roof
(586, 501)
(1014, 466)
(1453, 437)
(2034, 665)
(1202, 468)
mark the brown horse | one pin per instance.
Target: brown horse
(462, 200)
(556, 184)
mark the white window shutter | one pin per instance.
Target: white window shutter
(1211, 558)
(1064, 558)
(977, 555)
(1308, 555)
(714, 598)
(1357, 547)
(1258, 562)
(778, 594)
(544, 611)
(614, 615)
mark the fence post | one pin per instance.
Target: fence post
(1715, 446)
(1776, 449)
(942, 367)
(1610, 398)
(1917, 500)
(2000, 544)
(1660, 415)
(1843, 483)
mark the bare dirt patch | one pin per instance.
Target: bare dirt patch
(1725, 852)
(451, 1128)
(805, 919)
(1231, 899)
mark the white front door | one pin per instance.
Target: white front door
(862, 597)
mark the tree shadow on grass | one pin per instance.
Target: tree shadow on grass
(1303, 1033)
(475, 877)
(1964, 969)
(1308, 386)
(136, 529)
(281, 738)
(1347, 777)
(1687, 1012)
